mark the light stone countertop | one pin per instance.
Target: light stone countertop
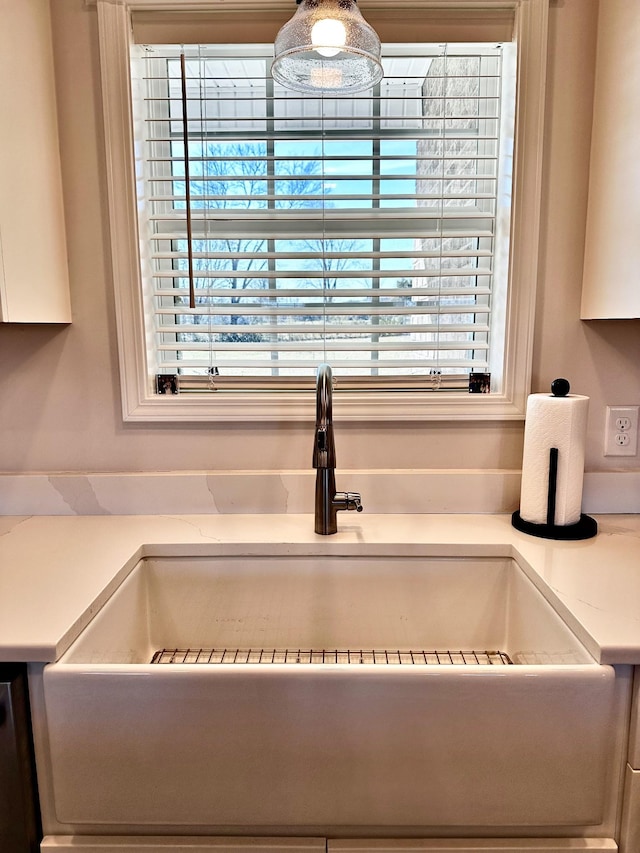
(57, 571)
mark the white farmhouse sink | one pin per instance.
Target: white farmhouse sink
(328, 745)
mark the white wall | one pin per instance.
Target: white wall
(59, 387)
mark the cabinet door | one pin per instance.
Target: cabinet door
(19, 832)
(612, 250)
(179, 844)
(34, 284)
(473, 845)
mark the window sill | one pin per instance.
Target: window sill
(348, 406)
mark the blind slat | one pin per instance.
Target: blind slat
(320, 328)
(214, 214)
(303, 275)
(310, 198)
(305, 256)
(328, 294)
(354, 158)
(330, 310)
(336, 345)
(199, 180)
(311, 364)
(367, 231)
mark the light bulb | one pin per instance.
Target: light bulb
(328, 36)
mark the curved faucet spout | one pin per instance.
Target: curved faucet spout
(328, 502)
(324, 394)
(324, 449)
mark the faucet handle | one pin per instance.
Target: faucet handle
(349, 501)
(354, 501)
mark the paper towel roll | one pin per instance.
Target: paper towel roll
(553, 422)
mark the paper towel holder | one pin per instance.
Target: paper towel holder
(585, 528)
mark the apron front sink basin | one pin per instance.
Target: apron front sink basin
(305, 693)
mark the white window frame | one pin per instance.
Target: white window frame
(139, 400)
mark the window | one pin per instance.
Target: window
(374, 232)
(364, 231)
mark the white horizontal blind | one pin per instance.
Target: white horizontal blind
(355, 230)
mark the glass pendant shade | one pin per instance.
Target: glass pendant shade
(327, 47)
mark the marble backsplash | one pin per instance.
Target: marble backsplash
(265, 492)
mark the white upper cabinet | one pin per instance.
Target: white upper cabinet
(611, 286)
(34, 279)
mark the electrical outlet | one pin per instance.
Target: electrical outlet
(621, 431)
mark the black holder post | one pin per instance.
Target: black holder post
(553, 485)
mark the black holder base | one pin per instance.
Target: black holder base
(586, 528)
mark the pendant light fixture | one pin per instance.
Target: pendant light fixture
(327, 47)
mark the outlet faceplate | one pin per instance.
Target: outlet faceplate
(621, 431)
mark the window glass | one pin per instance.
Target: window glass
(283, 231)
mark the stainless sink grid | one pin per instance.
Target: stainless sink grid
(335, 656)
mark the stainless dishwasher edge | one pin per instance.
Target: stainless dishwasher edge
(20, 830)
